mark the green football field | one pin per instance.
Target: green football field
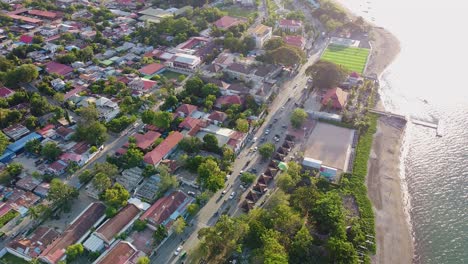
(353, 59)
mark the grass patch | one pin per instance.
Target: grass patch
(239, 11)
(12, 259)
(7, 217)
(171, 75)
(353, 59)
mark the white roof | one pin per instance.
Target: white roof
(312, 163)
(94, 243)
(185, 58)
(140, 204)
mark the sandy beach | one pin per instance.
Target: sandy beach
(394, 240)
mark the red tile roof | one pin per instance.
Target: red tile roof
(121, 253)
(187, 109)
(67, 156)
(80, 226)
(337, 96)
(5, 92)
(148, 84)
(157, 154)
(26, 39)
(36, 243)
(227, 21)
(152, 68)
(116, 224)
(163, 208)
(43, 131)
(296, 41)
(25, 19)
(189, 123)
(217, 116)
(58, 68)
(4, 208)
(145, 141)
(290, 23)
(228, 100)
(46, 14)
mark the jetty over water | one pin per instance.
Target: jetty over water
(435, 125)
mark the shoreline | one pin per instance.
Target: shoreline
(384, 179)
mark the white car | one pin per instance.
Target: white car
(255, 149)
(232, 195)
(224, 192)
(177, 251)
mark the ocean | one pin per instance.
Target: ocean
(427, 82)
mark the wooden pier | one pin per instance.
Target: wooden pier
(434, 125)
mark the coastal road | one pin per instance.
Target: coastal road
(219, 203)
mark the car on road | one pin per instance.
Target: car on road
(255, 149)
(191, 193)
(289, 99)
(233, 194)
(282, 108)
(241, 171)
(275, 120)
(284, 126)
(227, 176)
(267, 131)
(253, 170)
(224, 192)
(177, 251)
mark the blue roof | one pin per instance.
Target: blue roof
(19, 144)
(7, 156)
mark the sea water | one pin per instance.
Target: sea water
(429, 81)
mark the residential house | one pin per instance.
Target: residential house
(27, 183)
(231, 138)
(261, 34)
(336, 98)
(47, 131)
(290, 25)
(26, 39)
(107, 109)
(64, 132)
(184, 62)
(167, 209)
(164, 149)
(106, 234)
(146, 141)
(295, 41)
(58, 84)
(239, 71)
(226, 22)
(58, 68)
(152, 69)
(122, 252)
(130, 178)
(190, 126)
(57, 167)
(76, 232)
(42, 189)
(16, 131)
(217, 117)
(185, 110)
(228, 100)
(68, 157)
(32, 246)
(5, 92)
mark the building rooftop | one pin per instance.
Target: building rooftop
(156, 155)
(75, 231)
(226, 22)
(58, 68)
(167, 209)
(151, 69)
(33, 245)
(130, 178)
(121, 252)
(28, 183)
(144, 141)
(16, 131)
(116, 224)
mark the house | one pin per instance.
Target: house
(190, 125)
(167, 209)
(105, 235)
(146, 141)
(21, 200)
(26, 39)
(228, 100)
(261, 34)
(42, 189)
(290, 25)
(186, 110)
(152, 69)
(88, 34)
(122, 252)
(58, 68)
(295, 41)
(239, 71)
(149, 188)
(27, 183)
(131, 178)
(225, 136)
(76, 231)
(57, 167)
(64, 132)
(5, 92)
(68, 157)
(184, 62)
(47, 131)
(336, 98)
(164, 149)
(43, 14)
(217, 117)
(32, 246)
(107, 109)
(141, 85)
(58, 84)
(18, 146)
(226, 22)
(16, 131)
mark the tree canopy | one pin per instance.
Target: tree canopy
(267, 150)
(61, 195)
(116, 196)
(210, 175)
(298, 117)
(326, 74)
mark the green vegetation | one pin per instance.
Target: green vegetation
(352, 58)
(326, 74)
(266, 150)
(12, 259)
(4, 142)
(238, 11)
(74, 251)
(298, 117)
(7, 217)
(172, 75)
(139, 225)
(61, 195)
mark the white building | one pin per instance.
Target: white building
(262, 34)
(107, 109)
(184, 62)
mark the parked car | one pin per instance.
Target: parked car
(177, 251)
(284, 126)
(233, 194)
(224, 192)
(191, 193)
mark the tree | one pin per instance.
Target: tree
(33, 146)
(143, 260)
(139, 225)
(341, 251)
(51, 151)
(132, 158)
(273, 251)
(14, 169)
(301, 245)
(85, 176)
(116, 196)
(192, 209)
(74, 251)
(209, 89)
(248, 178)
(4, 142)
(210, 143)
(285, 55)
(304, 198)
(326, 74)
(194, 86)
(273, 43)
(329, 214)
(107, 168)
(102, 182)
(166, 180)
(163, 119)
(298, 118)
(39, 211)
(179, 225)
(210, 175)
(267, 150)
(190, 144)
(160, 234)
(242, 125)
(170, 103)
(61, 195)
